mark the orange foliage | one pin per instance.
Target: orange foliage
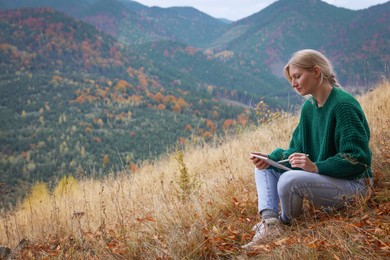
(122, 85)
(121, 116)
(102, 93)
(135, 99)
(161, 107)
(228, 123)
(83, 98)
(131, 72)
(182, 140)
(159, 98)
(172, 99)
(79, 99)
(242, 119)
(6, 46)
(182, 103)
(210, 124)
(143, 80)
(207, 134)
(89, 55)
(215, 114)
(133, 167)
(176, 108)
(188, 127)
(57, 78)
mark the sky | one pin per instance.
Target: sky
(238, 9)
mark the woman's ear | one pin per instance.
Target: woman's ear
(317, 72)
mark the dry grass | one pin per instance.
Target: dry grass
(145, 215)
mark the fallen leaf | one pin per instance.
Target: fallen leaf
(149, 218)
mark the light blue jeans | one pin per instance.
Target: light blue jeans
(291, 187)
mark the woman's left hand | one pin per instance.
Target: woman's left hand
(301, 160)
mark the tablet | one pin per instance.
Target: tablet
(271, 162)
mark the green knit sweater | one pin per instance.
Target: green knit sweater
(335, 136)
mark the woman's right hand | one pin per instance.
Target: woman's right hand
(259, 163)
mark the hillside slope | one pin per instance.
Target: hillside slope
(201, 204)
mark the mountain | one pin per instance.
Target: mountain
(142, 27)
(131, 22)
(74, 97)
(186, 24)
(351, 39)
(356, 41)
(69, 6)
(361, 49)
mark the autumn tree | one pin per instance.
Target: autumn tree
(122, 85)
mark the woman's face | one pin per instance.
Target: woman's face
(303, 81)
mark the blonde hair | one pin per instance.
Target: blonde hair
(309, 59)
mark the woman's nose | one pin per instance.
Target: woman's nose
(293, 83)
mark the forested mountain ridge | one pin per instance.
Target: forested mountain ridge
(73, 97)
(358, 42)
(134, 23)
(31, 37)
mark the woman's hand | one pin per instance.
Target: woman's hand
(259, 163)
(301, 160)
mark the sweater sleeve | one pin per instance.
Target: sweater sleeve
(353, 156)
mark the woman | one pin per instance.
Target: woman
(329, 151)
